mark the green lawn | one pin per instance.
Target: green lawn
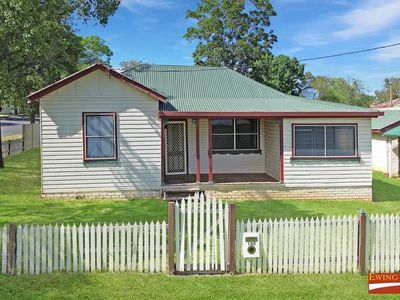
(20, 202)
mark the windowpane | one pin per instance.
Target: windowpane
(309, 141)
(340, 141)
(97, 125)
(222, 126)
(99, 147)
(222, 142)
(246, 125)
(248, 141)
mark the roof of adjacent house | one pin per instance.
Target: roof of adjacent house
(201, 89)
(389, 120)
(386, 104)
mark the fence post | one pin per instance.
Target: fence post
(171, 228)
(362, 240)
(232, 237)
(12, 248)
(9, 147)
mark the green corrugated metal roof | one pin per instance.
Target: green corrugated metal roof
(390, 117)
(393, 132)
(217, 89)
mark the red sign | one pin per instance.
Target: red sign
(384, 283)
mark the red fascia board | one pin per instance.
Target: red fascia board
(176, 114)
(391, 126)
(58, 84)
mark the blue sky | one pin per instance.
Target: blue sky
(152, 30)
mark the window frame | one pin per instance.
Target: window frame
(356, 150)
(235, 149)
(84, 136)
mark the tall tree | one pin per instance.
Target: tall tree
(94, 50)
(280, 72)
(38, 44)
(130, 64)
(340, 90)
(384, 94)
(231, 33)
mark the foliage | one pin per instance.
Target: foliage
(339, 90)
(94, 50)
(279, 72)
(21, 202)
(130, 64)
(384, 94)
(231, 33)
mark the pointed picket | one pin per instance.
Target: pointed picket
(221, 235)
(195, 230)
(26, 251)
(296, 247)
(285, 246)
(98, 247)
(201, 235)
(56, 248)
(189, 234)
(104, 247)
(32, 250)
(146, 247)
(157, 250)
(68, 247)
(345, 244)
(151, 248)
(74, 250)
(322, 244)
(123, 247)
(301, 245)
(265, 237)
(37, 250)
(117, 248)
(111, 247)
(92, 248)
(275, 245)
(80, 248)
(18, 265)
(164, 247)
(207, 237)
(177, 235)
(129, 246)
(312, 247)
(317, 241)
(338, 244)
(328, 245)
(135, 244)
(306, 245)
(87, 248)
(183, 237)
(397, 241)
(50, 249)
(214, 259)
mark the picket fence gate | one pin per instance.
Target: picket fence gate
(326, 245)
(201, 235)
(87, 248)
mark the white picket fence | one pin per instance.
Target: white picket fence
(301, 246)
(114, 247)
(4, 248)
(201, 234)
(383, 243)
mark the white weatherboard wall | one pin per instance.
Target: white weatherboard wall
(380, 157)
(223, 163)
(138, 169)
(329, 172)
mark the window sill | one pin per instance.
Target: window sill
(234, 152)
(325, 157)
(89, 160)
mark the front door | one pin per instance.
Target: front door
(175, 148)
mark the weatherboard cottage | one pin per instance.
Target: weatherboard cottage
(159, 129)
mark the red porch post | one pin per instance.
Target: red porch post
(210, 163)
(198, 179)
(281, 156)
(162, 151)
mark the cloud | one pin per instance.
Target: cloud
(134, 5)
(387, 54)
(370, 18)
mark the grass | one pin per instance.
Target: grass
(20, 202)
(150, 286)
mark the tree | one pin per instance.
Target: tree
(94, 50)
(231, 33)
(279, 72)
(384, 94)
(336, 89)
(38, 44)
(130, 64)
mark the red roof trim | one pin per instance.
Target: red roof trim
(391, 126)
(177, 114)
(58, 84)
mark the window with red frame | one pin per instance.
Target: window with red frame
(325, 140)
(100, 136)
